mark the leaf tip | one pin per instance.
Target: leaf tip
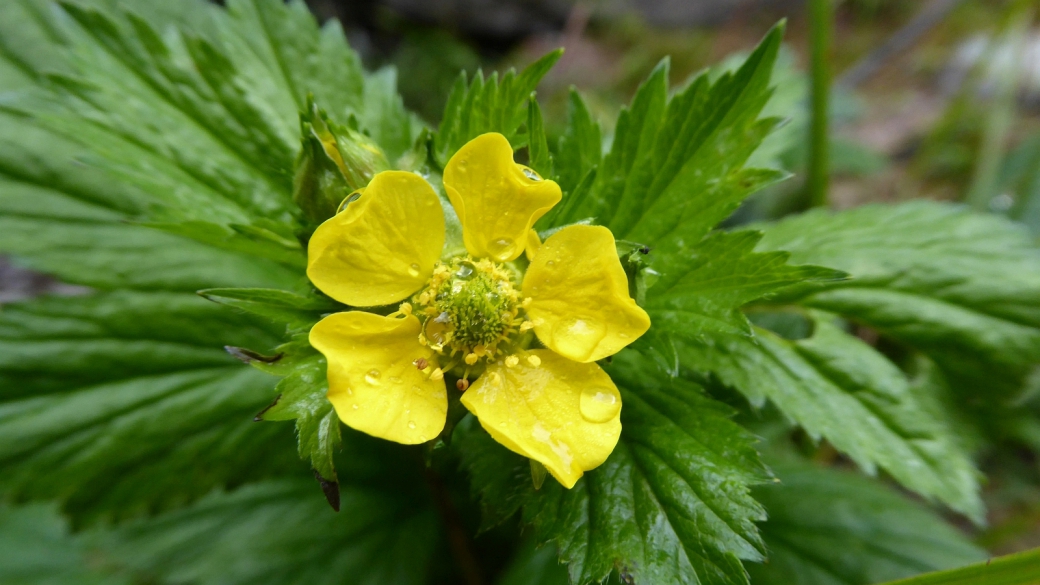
(329, 487)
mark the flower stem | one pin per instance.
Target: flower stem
(458, 537)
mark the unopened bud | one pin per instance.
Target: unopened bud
(334, 162)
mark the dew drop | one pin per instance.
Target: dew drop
(464, 272)
(623, 335)
(355, 407)
(394, 379)
(347, 201)
(550, 263)
(501, 248)
(350, 391)
(531, 175)
(599, 404)
(411, 424)
(413, 270)
(372, 377)
(578, 337)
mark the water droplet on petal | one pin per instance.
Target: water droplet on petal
(354, 406)
(501, 248)
(411, 424)
(599, 404)
(347, 201)
(577, 338)
(372, 377)
(413, 270)
(531, 175)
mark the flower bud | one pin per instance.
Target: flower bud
(334, 161)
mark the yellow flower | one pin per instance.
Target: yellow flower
(476, 316)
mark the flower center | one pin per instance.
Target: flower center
(470, 308)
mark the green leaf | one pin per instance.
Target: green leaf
(963, 288)
(829, 527)
(670, 505)
(534, 566)
(839, 388)
(302, 397)
(701, 293)
(483, 106)
(37, 548)
(124, 402)
(580, 147)
(1018, 569)
(297, 311)
(277, 532)
(540, 159)
(385, 119)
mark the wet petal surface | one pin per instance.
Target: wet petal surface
(580, 304)
(373, 383)
(564, 414)
(496, 199)
(381, 247)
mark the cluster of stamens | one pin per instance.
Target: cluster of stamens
(472, 315)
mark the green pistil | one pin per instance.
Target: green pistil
(477, 304)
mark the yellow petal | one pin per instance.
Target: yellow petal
(580, 305)
(373, 383)
(383, 246)
(533, 244)
(495, 200)
(563, 414)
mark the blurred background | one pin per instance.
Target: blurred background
(932, 98)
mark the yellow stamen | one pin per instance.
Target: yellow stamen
(472, 358)
(534, 360)
(437, 375)
(512, 361)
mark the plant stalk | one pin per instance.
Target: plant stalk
(821, 23)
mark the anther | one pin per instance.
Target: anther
(534, 360)
(437, 375)
(471, 358)
(421, 363)
(512, 361)
(526, 325)
(526, 302)
(462, 384)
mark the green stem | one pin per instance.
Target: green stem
(821, 22)
(1017, 569)
(1002, 109)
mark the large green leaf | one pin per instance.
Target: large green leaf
(963, 288)
(670, 505)
(121, 402)
(37, 548)
(828, 527)
(277, 532)
(839, 388)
